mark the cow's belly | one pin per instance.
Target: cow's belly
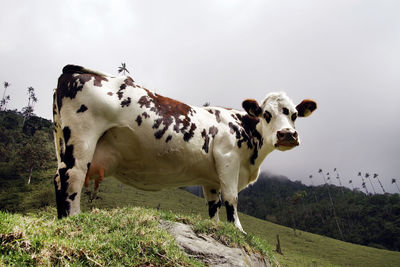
(138, 159)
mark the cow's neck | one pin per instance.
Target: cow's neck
(265, 147)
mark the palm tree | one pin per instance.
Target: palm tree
(311, 180)
(123, 69)
(368, 176)
(340, 182)
(5, 98)
(315, 197)
(363, 183)
(312, 183)
(395, 182)
(333, 206)
(328, 178)
(379, 181)
(351, 182)
(32, 99)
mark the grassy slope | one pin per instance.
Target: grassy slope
(304, 250)
(127, 236)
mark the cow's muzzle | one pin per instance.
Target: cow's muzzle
(286, 138)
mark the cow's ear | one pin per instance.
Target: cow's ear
(306, 107)
(252, 108)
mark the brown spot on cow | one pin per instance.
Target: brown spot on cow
(246, 132)
(139, 120)
(120, 92)
(98, 79)
(213, 131)
(110, 93)
(188, 135)
(144, 101)
(206, 140)
(217, 117)
(69, 84)
(82, 109)
(145, 115)
(126, 102)
(129, 81)
(169, 111)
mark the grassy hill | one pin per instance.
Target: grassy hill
(129, 236)
(305, 249)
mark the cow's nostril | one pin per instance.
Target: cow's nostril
(295, 134)
(280, 135)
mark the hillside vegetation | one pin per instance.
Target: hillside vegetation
(305, 249)
(352, 216)
(123, 236)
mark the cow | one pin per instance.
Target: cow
(111, 126)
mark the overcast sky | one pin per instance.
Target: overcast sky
(343, 54)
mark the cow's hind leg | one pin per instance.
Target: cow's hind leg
(75, 156)
(213, 197)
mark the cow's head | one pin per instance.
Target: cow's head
(278, 114)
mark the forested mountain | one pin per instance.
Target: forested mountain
(352, 216)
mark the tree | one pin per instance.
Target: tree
(368, 177)
(379, 181)
(333, 206)
(363, 183)
(294, 200)
(338, 177)
(395, 182)
(4, 100)
(351, 182)
(35, 153)
(32, 99)
(123, 69)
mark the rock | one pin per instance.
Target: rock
(210, 251)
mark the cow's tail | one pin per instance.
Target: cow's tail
(57, 131)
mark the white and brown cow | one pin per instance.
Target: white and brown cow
(110, 126)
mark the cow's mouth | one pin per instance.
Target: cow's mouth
(286, 144)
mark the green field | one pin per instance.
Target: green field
(305, 249)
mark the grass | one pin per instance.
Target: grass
(305, 249)
(127, 237)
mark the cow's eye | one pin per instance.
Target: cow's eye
(267, 116)
(285, 111)
(294, 116)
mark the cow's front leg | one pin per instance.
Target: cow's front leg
(228, 166)
(213, 198)
(230, 195)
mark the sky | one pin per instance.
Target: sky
(344, 54)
